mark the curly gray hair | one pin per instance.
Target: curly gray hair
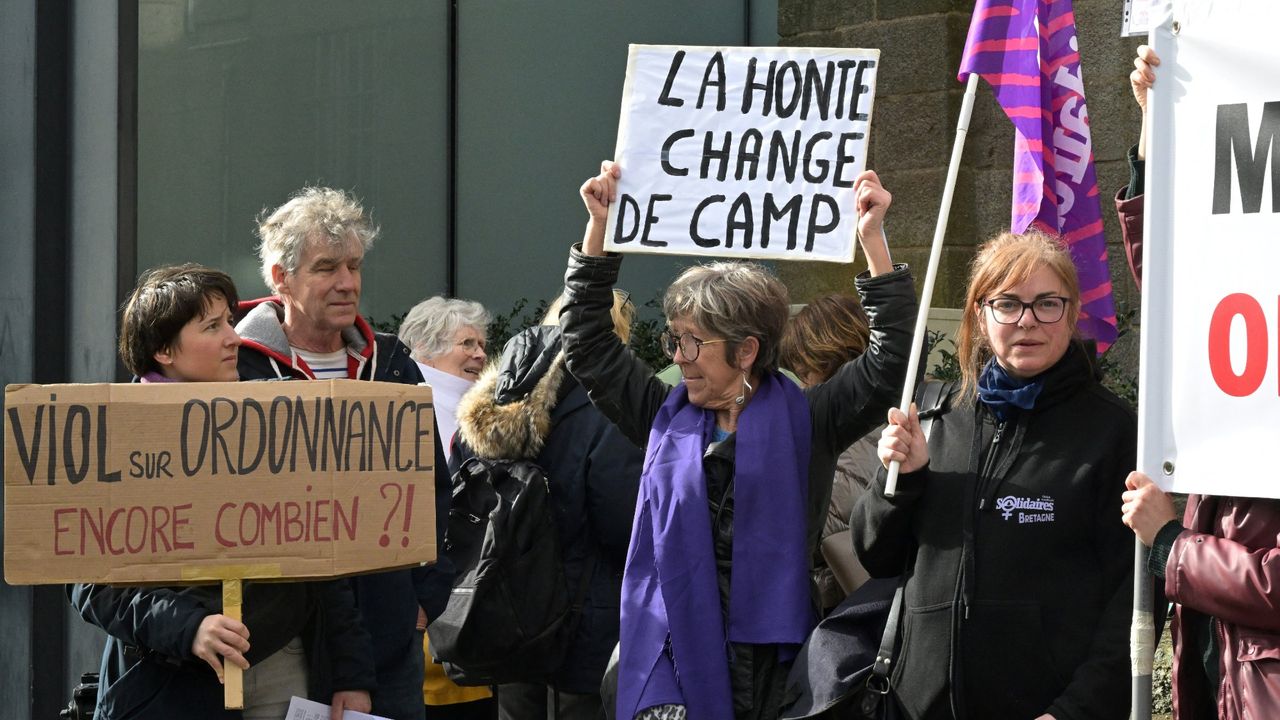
(318, 213)
(429, 327)
(734, 300)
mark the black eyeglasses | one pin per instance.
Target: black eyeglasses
(689, 345)
(1048, 309)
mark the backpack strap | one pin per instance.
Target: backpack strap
(931, 401)
(879, 678)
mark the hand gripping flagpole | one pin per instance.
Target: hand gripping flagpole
(935, 256)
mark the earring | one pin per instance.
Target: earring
(746, 390)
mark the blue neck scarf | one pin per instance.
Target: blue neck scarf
(1004, 394)
(674, 641)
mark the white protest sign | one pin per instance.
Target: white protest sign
(742, 152)
(1210, 388)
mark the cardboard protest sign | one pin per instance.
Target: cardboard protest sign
(171, 482)
(1209, 404)
(742, 152)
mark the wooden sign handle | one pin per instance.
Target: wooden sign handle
(232, 675)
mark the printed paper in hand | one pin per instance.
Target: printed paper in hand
(300, 709)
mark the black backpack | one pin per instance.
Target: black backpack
(510, 617)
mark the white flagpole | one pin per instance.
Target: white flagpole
(935, 256)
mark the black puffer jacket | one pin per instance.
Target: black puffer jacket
(1021, 592)
(149, 671)
(529, 406)
(842, 409)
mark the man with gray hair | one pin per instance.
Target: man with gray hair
(312, 250)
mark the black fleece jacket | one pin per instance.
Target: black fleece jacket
(149, 671)
(1019, 600)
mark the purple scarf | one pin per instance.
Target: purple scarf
(154, 377)
(669, 590)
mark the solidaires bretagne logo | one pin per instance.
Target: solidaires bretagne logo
(1029, 510)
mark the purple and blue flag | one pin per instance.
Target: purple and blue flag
(1027, 51)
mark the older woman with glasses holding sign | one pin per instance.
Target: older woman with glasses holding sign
(1018, 602)
(716, 596)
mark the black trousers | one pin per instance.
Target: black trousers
(522, 701)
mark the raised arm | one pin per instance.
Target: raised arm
(854, 400)
(1130, 200)
(618, 382)
(873, 201)
(598, 193)
(1141, 80)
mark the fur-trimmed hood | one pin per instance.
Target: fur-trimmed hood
(507, 414)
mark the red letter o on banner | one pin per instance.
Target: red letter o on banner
(1255, 324)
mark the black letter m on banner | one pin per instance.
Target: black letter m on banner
(1233, 132)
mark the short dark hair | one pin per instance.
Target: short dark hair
(165, 299)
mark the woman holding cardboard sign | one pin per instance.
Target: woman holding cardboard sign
(717, 593)
(167, 645)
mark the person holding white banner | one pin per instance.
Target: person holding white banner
(1018, 590)
(717, 595)
(1221, 564)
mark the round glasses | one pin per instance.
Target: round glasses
(1047, 310)
(688, 344)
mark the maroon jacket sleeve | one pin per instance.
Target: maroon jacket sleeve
(1130, 213)
(1225, 579)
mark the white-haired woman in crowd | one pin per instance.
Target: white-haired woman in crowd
(447, 337)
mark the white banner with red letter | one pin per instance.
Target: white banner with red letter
(1210, 379)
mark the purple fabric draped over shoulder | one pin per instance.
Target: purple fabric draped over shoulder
(674, 642)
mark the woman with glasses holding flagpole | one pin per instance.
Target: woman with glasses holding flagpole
(1018, 601)
(717, 595)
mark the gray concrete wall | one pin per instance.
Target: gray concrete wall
(93, 192)
(917, 103)
(539, 97)
(241, 104)
(92, 289)
(17, 207)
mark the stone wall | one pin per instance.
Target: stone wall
(913, 129)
